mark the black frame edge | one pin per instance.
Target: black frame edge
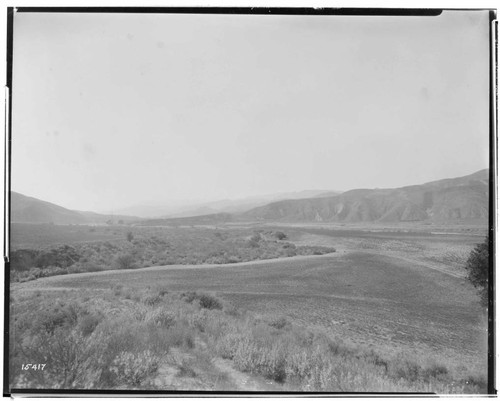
(346, 11)
(8, 141)
(492, 205)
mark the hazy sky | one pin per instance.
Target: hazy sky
(111, 110)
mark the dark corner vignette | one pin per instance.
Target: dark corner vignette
(6, 212)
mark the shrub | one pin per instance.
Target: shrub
(314, 250)
(88, 323)
(125, 261)
(231, 310)
(227, 344)
(205, 301)
(73, 360)
(189, 296)
(130, 368)
(152, 299)
(185, 370)
(477, 266)
(280, 235)
(254, 240)
(478, 382)
(62, 256)
(180, 335)
(435, 371)
(76, 268)
(22, 259)
(268, 360)
(162, 291)
(289, 249)
(58, 316)
(405, 369)
(377, 360)
(209, 302)
(117, 290)
(161, 317)
(256, 237)
(218, 235)
(90, 266)
(279, 323)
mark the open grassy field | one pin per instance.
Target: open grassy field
(401, 296)
(25, 235)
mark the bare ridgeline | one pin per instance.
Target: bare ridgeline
(301, 290)
(361, 291)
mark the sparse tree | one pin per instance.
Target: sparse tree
(130, 236)
(477, 267)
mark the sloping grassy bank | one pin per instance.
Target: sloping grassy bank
(120, 338)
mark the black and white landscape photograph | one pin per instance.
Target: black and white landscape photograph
(225, 201)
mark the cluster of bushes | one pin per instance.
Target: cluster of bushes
(84, 348)
(61, 256)
(105, 343)
(181, 246)
(314, 250)
(307, 360)
(35, 272)
(206, 301)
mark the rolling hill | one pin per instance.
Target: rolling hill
(455, 199)
(25, 209)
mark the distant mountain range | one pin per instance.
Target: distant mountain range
(25, 209)
(186, 209)
(454, 199)
(463, 198)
